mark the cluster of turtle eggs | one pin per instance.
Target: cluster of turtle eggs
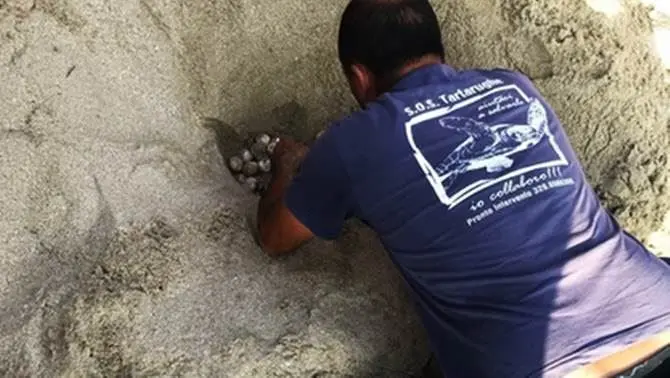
(253, 165)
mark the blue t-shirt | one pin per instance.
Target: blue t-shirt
(471, 184)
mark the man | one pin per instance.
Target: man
(516, 269)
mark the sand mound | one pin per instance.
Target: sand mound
(125, 247)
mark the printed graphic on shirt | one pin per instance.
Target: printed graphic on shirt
(480, 141)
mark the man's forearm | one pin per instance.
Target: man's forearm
(277, 229)
(285, 168)
(273, 195)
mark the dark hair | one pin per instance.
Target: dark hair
(385, 35)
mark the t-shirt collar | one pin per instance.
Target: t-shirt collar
(426, 75)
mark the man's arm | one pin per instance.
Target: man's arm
(315, 201)
(280, 231)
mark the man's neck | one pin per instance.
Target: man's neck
(426, 60)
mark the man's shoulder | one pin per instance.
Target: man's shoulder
(343, 133)
(498, 72)
(361, 123)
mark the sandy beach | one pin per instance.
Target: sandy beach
(124, 241)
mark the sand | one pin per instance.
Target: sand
(124, 246)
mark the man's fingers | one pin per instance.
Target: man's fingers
(288, 155)
(282, 148)
(288, 145)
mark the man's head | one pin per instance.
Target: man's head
(381, 40)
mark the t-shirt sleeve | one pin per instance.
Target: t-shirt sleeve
(320, 194)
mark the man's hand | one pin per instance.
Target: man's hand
(279, 231)
(287, 156)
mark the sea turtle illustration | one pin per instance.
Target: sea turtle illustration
(491, 147)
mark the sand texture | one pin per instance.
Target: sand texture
(124, 241)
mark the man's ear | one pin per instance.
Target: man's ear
(362, 83)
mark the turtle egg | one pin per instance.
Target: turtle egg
(250, 168)
(241, 179)
(263, 139)
(263, 185)
(252, 183)
(272, 145)
(265, 165)
(236, 163)
(247, 155)
(258, 150)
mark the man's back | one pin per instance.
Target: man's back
(471, 184)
